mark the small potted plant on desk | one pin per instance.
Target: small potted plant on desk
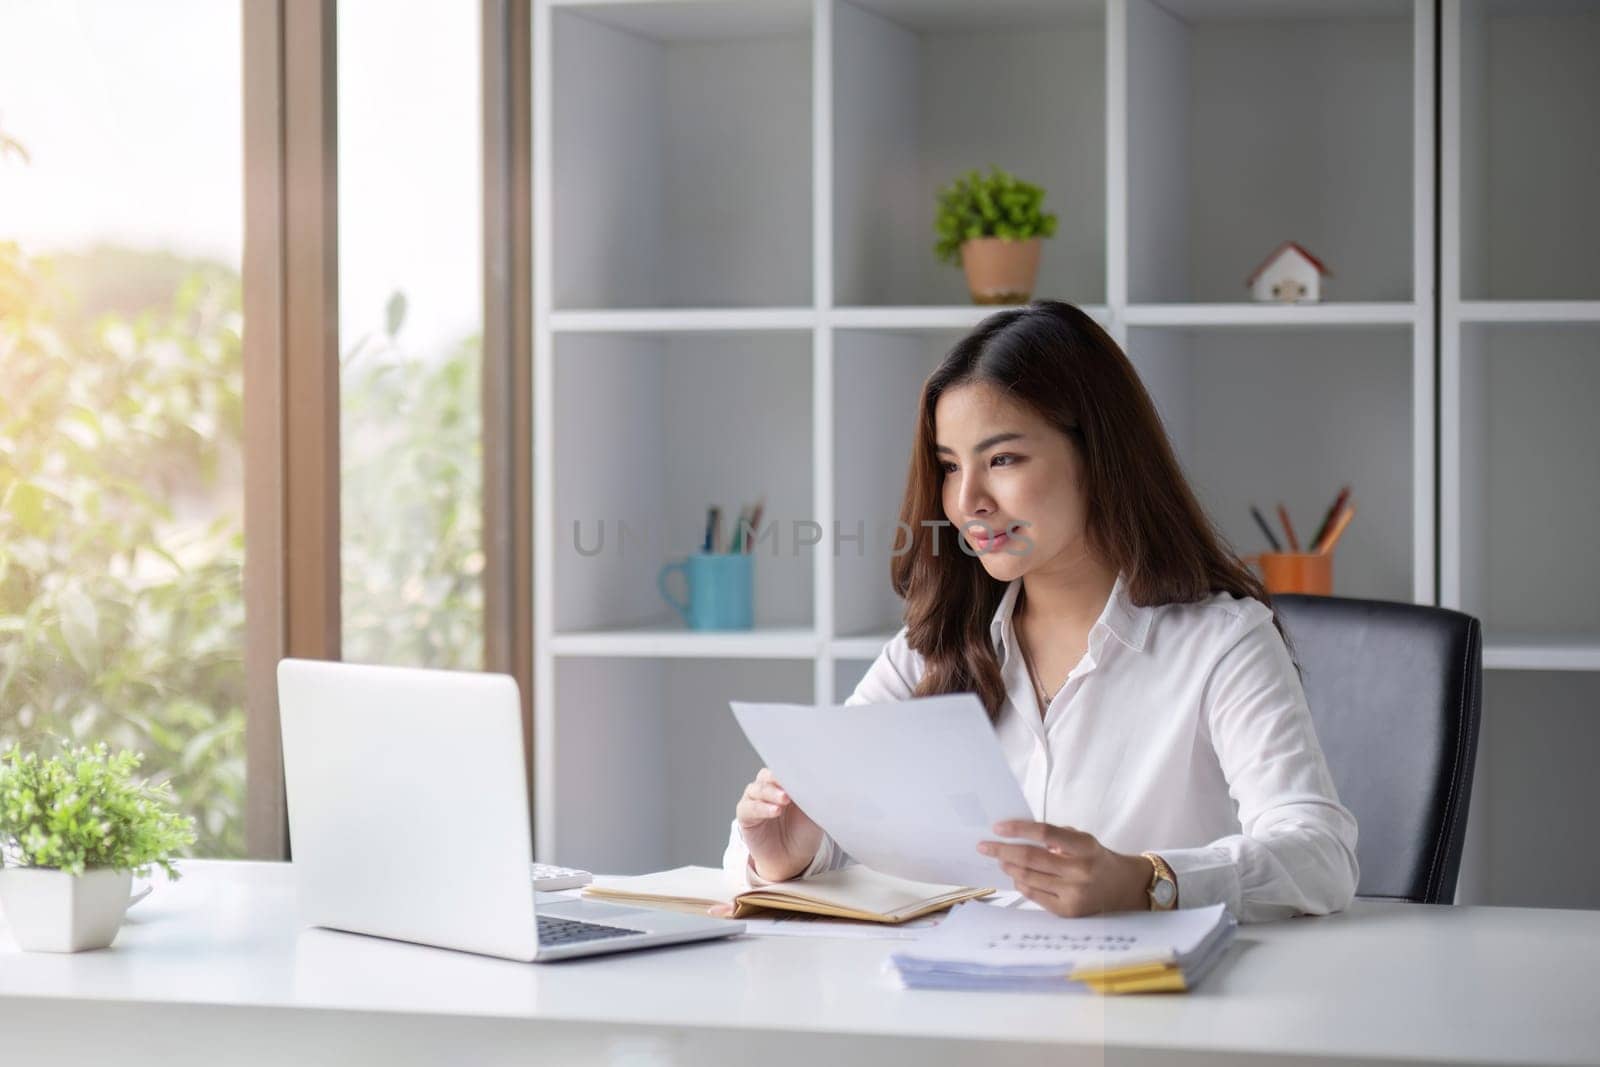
(74, 829)
(993, 226)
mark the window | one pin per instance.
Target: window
(410, 327)
(121, 489)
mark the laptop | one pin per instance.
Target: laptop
(408, 818)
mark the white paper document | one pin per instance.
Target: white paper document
(907, 788)
(980, 937)
(1001, 950)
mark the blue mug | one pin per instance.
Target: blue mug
(719, 590)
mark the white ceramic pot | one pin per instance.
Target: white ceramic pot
(52, 911)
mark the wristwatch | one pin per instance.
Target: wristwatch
(1163, 884)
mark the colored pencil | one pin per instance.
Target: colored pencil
(1327, 520)
(1288, 528)
(1261, 521)
(1337, 529)
(755, 523)
(710, 543)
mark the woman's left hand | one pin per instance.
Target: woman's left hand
(1069, 872)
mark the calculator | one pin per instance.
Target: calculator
(548, 877)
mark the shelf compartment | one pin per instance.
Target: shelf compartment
(1536, 748)
(655, 428)
(877, 378)
(1528, 148)
(1250, 124)
(681, 171)
(1525, 500)
(649, 760)
(1261, 415)
(916, 95)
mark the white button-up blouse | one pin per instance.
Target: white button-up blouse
(1183, 731)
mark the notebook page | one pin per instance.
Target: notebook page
(708, 885)
(862, 889)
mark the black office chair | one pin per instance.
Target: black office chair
(1394, 691)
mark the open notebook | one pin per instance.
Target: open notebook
(853, 892)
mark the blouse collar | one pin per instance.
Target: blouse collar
(1121, 617)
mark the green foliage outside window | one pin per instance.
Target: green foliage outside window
(120, 620)
(411, 478)
(121, 608)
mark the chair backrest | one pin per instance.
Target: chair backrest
(1394, 691)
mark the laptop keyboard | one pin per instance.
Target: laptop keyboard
(553, 931)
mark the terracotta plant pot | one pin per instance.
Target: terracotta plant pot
(53, 911)
(1000, 271)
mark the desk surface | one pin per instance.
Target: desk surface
(1380, 981)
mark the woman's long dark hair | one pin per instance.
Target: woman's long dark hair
(1142, 518)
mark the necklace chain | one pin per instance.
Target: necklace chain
(1033, 675)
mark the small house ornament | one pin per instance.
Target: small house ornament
(1291, 275)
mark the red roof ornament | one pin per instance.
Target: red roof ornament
(1276, 252)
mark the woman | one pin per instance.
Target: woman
(1135, 673)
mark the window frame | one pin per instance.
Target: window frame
(292, 584)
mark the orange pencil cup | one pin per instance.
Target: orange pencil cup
(1295, 572)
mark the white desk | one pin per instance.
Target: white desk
(216, 969)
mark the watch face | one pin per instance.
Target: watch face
(1164, 892)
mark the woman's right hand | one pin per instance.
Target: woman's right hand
(781, 838)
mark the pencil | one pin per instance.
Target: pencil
(1327, 520)
(1261, 521)
(1337, 529)
(710, 544)
(1288, 527)
(755, 523)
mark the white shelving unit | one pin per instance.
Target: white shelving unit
(1519, 372)
(1236, 125)
(736, 295)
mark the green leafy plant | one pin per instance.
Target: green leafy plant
(995, 205)
(83, 808)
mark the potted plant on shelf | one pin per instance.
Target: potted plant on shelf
(74, 829)
(993, 226)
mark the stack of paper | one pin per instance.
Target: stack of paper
(983, 947)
